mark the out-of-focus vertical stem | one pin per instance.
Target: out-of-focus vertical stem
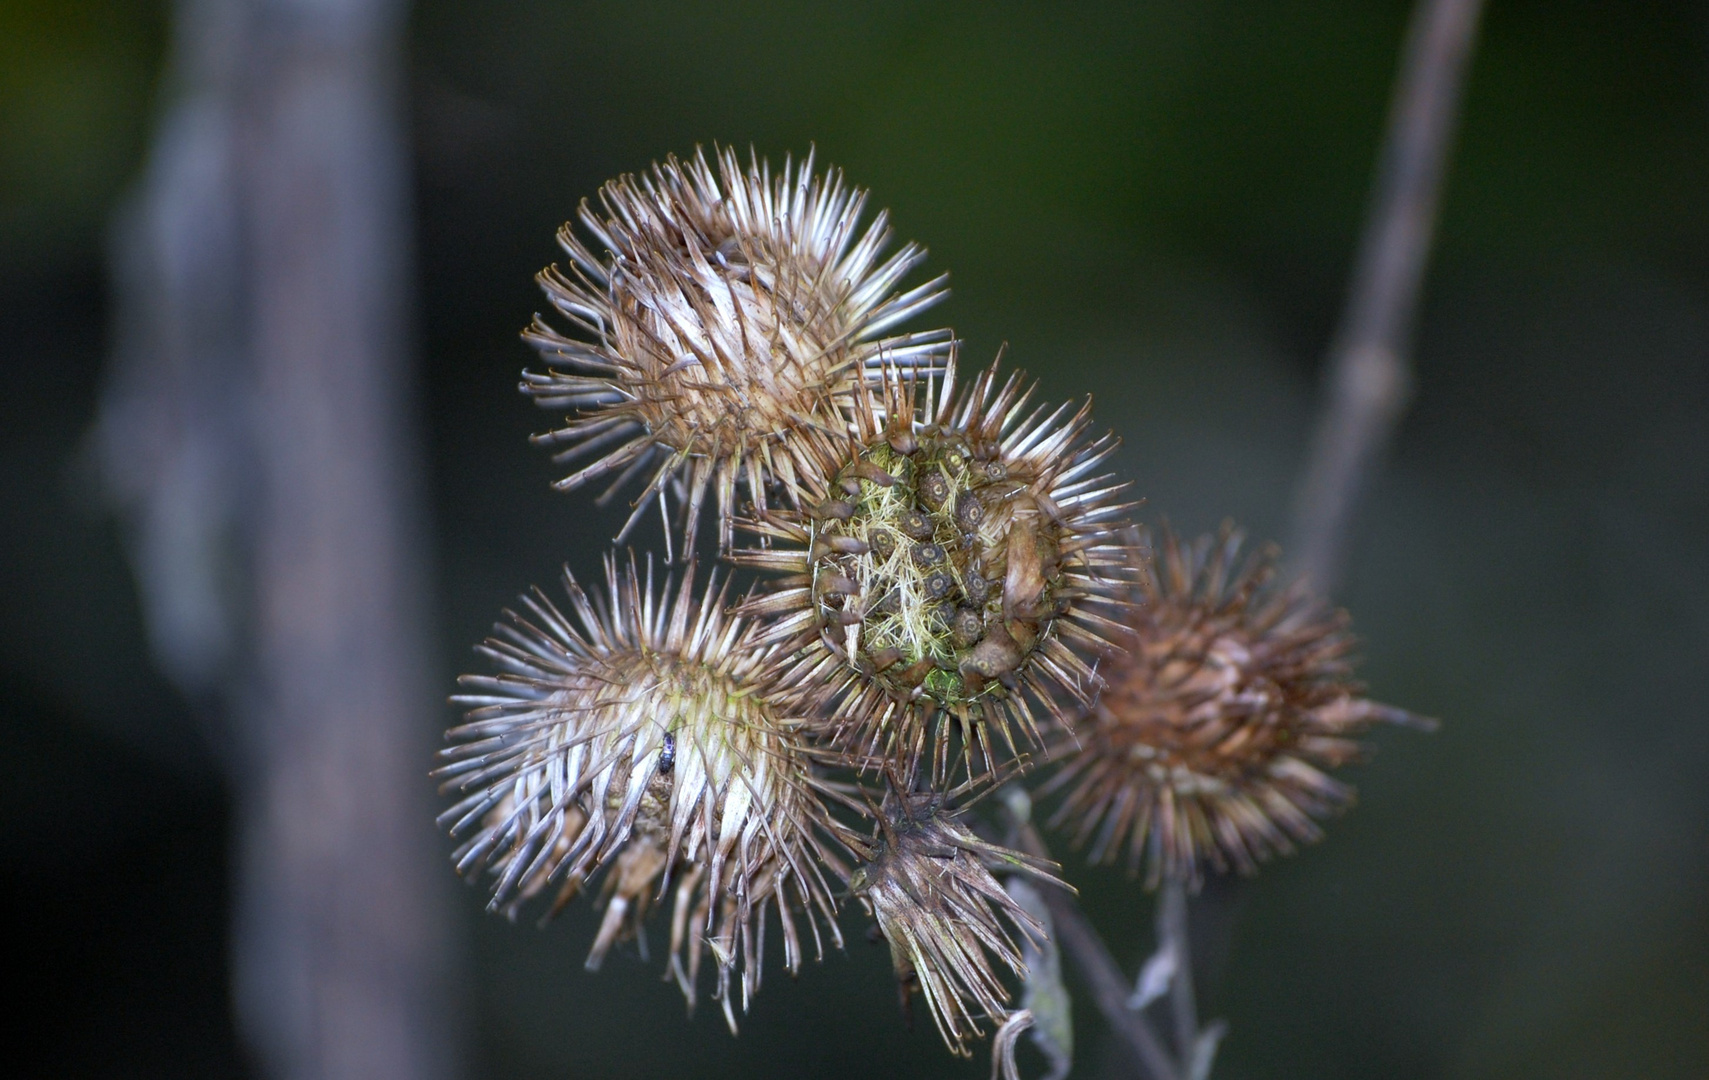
(1368, 377)
(339, 939)
(257, 433)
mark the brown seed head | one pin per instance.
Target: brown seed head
(966, 578)
(927, 880)
(730, 311)
(1214, 736)
(640, 737)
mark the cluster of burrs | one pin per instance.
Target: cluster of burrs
(947, 594)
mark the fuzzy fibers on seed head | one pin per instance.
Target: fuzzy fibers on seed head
(957, 567)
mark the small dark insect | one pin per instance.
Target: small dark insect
(667, 756)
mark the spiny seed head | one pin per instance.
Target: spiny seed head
(639, 736)
(731, 311)
(954, 565)
(1212, 739)
(926, 878)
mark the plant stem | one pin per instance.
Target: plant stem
(1369, 377)
(1172, 934)
(1103, 976)
(278, 519)
(1369, 384)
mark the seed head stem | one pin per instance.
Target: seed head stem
(1099, 970)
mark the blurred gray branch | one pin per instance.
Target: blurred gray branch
(1368, 386)
(256, 437)
(1368, 378)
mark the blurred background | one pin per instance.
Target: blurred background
(1157, 203)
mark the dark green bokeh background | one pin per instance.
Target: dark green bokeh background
(1155, 202)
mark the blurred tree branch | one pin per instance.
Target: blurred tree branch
(256, 435)
(1368, 377)
(1367, 389)
(1368, 381)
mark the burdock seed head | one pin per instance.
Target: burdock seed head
(954, 561)
(1213, 738)
(638, 736)
(926, 879)
(729, 312)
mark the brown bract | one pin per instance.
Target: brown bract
(640, 737)
(730, 312)
(951, 927)
(1214, 736)
(958, 559)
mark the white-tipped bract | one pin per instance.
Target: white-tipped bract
(731, 312)
(638, 736)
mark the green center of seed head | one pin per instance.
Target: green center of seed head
(913, 554)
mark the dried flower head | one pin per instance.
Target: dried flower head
(640, 738)
(732, 311)
(1213, 739)
(926, 878)
(953, 563)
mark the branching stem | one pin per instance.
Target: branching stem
(1080, 940)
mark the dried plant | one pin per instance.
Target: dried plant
(926, 879)
(1214, 738)
(958, 560)
(640, 737)
(947, 580)
(732, 312)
